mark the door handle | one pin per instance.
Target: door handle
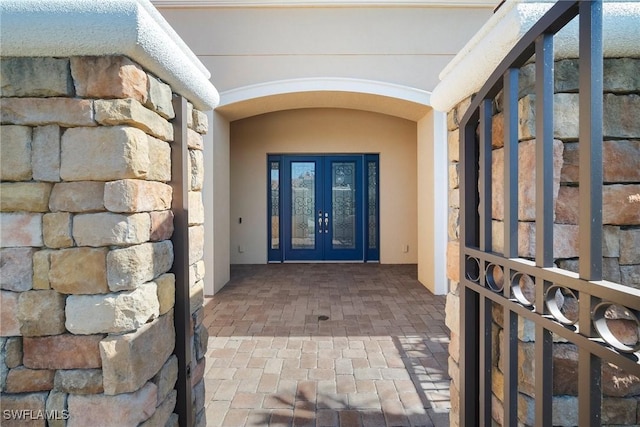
(320, 225)
(326, 224)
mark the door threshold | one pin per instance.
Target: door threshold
(323, 262)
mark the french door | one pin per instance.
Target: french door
(319, 208)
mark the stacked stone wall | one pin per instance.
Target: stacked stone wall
(87, 329)
(621, 231)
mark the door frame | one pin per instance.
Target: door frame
(370, 240)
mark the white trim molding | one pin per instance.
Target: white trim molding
(323, 3)
(132, 28)
(472, 66)
(332, 92)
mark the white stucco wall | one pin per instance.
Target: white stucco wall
(407, 45)
(324, 131)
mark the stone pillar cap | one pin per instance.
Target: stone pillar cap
(133, 28)
(472, 66)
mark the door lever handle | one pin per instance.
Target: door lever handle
(320, 224)
(326, 224)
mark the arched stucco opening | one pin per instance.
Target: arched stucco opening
(333, 93)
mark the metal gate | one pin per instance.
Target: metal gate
(490, 280)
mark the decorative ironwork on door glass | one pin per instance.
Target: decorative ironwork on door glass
(372, 203)
(275, 205)
(303, 205)
(343, 194)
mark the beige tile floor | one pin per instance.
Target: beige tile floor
(326, 345)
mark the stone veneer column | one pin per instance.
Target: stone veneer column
(621, 226)
(87, 297)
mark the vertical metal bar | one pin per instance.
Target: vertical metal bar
(484, 185)
(544, 150)
(510, 93)
(543, 382)
(485, 361)
(469, 367)
(180, 178)
(544, 377)
(469, 300)
(590, 143)
(469, 196)
(590, 198)
(510, 354)
(589, 371)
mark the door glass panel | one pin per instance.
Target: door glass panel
(343, 198)
(303, 198)
(372, 176)
(275, 205)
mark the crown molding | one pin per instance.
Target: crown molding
(322, 3)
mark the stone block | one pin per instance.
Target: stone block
(565, 239)
(163, 413)
(13, 352)
(104, 153)
(200, 122)
(107, 229)
(79, 381)
(620, 118)
(189, 115)
(28, 76)
(161, 225)
(19, 403)
(45, 155)
(621, 204)
(453, 260)
(526, 179)
(611, 269)
(454, 224)
(630, 246)
(111, 112)
(135, 195)
(160, 98)
(127, 409)
(201, 341)
(81, 196)
(196, 272)
(56, 230)
(79, 271)
(621, 75)
(454, 176)
(453, 141)
(194, 140)
(566, 209)
(630, 275)
(159, 160)
(25, 380)
(19, 229)
(610, 241)
(24, 196)
(130, 267)
(196, 208)
(109, 77)
(41, 267)
(113, 313)
(65, 112)
(454, 198)
(566, 75)
(196, 243)
(10, 325)
(166, 292)
(57, 404)
(16, 269)
(15, 153)
(130, 360)
(196, 165)
(620, 161)
(166, 378)
(64, 351)
(196, 296)
(41, 313)
(452, 313)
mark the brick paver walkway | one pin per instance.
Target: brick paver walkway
(326, 345)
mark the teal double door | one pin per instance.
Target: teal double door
(322, 207)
